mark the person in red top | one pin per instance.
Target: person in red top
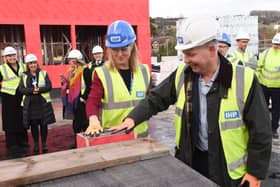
(129, 81)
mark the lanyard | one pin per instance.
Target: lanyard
(131, 83)
(34, 81)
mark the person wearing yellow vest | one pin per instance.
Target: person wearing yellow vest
(221, 120)
(120, 84)
(15, 133)
(74, 86)
(241, 55)
(268, 72)
(35, 86)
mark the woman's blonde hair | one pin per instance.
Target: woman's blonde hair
(133, 60)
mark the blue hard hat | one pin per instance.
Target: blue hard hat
(225, 39)
(120, 34)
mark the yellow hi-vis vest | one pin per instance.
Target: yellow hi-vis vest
(41, 83)
(268, 70)
(10, 80)
(117, 101)
(238, 55)
(83, 83)
(233, 131)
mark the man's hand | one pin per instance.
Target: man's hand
(94, 126)
(127, 124)
(253, 181)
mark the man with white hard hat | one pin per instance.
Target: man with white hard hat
(268, 72)
(241, 55)
(219, 132)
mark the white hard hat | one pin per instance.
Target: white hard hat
(242, 35)
(97, 49)
(30, 58)
(76, 54)
(9, 51)
(276, 38)
(197, 31)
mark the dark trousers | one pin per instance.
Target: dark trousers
(200, 162)
(35, 131)
(274, 95)
(80, 122)
(17, 144)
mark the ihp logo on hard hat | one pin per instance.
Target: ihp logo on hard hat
(115, 39)
(232, 114)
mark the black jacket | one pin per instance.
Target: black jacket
(47, 110)
(256, 117)
(87, 74)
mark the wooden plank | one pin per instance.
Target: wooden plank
(54, 165)
(164, 171)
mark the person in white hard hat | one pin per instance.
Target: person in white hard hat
(97, 53)
(15, 133)
(241, 55)
(268, 72)
(35, 86)
(221, 119)
(72, 86)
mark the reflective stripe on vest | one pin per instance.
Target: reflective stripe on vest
(10, 80)
(234, 133)
(41, 83)
(180, 92)
(117, 101)
(269, 73)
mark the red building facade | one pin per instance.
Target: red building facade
(50, 28)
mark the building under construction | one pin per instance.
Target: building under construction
(50, 29)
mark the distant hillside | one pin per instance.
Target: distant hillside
(163, 30)
(266, 17)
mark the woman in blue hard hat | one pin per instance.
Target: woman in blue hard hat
(119, 84)
(15, 134)
(35, 86)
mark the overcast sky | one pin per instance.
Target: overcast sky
(176, 8)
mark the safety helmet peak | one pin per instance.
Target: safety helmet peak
(224, 38)
(276, 39)
(120, 34)
(9, 51)
(30, 58)
(197, 31)
(97, 49)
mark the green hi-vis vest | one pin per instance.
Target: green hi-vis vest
(41, 83)
(117, 101)
(268, 70)
(83, 83)
(233, 131)
(244, 57)
(10, 80)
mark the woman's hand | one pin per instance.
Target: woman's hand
(94, 126)
(36, 91)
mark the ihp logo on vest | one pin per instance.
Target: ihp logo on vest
(140, 94)
(232, 114)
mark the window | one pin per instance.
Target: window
(89, 36)
(55, 44)
(13, 35)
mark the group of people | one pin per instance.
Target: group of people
(223, 128)
(267, 69)
(26, 103)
